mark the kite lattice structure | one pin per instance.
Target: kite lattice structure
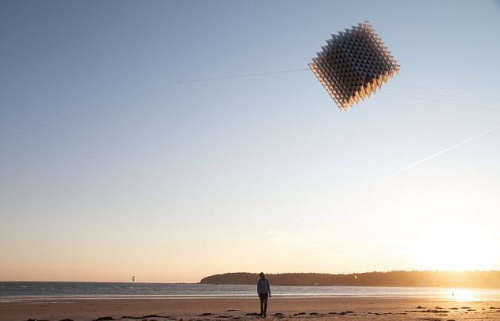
(353, 64)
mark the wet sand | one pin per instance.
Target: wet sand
(243, 309)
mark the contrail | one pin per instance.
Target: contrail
(447, 149)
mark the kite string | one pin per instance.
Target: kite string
(445, 91)
(245, 75)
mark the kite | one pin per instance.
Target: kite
(353, 64)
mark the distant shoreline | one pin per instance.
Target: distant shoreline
(439, 279)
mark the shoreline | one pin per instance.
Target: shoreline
(209, 297)
(244, 309)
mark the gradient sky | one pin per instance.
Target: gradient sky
(115, 162)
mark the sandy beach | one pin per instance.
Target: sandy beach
(219, 309)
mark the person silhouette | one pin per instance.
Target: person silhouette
(264, 291)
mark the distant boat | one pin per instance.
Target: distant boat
(133, 278)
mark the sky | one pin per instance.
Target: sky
(172, 140)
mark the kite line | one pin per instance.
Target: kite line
(247, 75)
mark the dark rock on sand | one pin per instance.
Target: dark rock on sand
(137, 317)
(420, 307)
(66, 320)
(104, 319)
(252, 313)
(300, 313)
(314, 313)
(346, 312)
(336, 312)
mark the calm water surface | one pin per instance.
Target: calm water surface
(13, 291)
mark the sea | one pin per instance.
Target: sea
(33, 291)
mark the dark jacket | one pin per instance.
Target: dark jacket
(263, 287)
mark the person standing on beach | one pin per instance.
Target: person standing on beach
(264, 291)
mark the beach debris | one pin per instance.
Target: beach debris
(420, 307)
(252, 313)
(279, 315)
(299, 313)
(141, 317)
(232, 310)
(346, 312)
(332, 312)
(353, 64)
(433, 311)
(104, 319)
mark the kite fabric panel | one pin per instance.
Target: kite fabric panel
(353, 64)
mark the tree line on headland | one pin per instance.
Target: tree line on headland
(453, 279)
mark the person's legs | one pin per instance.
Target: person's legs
(261, 297)
(265, 306)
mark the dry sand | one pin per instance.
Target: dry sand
(238, 309)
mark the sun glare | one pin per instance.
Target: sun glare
(462, 295)
(454, 248)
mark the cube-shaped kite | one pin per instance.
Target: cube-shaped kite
(353, 64)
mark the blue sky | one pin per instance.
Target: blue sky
(127, 137)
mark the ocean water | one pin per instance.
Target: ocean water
(14, 291)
